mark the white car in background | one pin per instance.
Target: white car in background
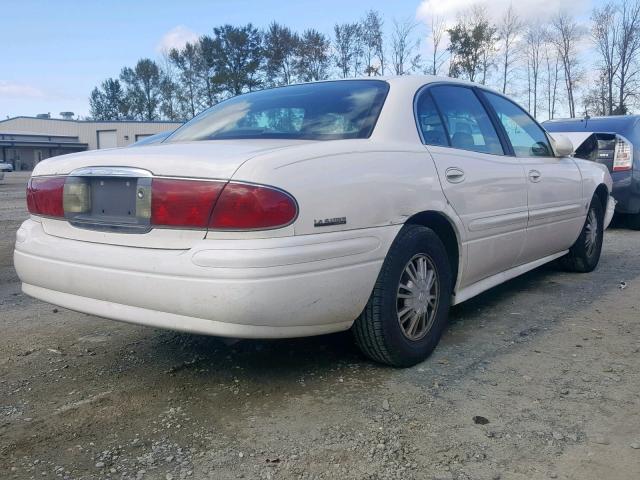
(303, 210)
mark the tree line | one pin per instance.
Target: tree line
(560, 66)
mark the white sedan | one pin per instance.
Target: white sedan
(370, 205)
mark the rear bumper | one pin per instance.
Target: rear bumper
(259, 288)
(626, 191)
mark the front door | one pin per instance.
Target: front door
(486, 188)
(554, 185)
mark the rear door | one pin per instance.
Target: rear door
(554, 185)
(486, 188)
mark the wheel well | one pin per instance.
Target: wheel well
(442, 226)
(603, 195)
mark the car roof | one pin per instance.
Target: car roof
(614, 124)
(403, 81)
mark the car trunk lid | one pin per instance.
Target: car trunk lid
(202, 159)
(107, 194)
(598, 147)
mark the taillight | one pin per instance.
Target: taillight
(44, 196)
(623, 154)
(250, 207)
(172, 202)
(183, 203)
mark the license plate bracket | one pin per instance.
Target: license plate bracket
(116, 203)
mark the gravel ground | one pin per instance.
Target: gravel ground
(538, 378)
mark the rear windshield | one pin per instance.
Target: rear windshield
(316, 111)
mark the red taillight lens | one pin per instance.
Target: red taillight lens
(249, 207)
(44, 196)
(183, 203)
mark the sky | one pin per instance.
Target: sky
(54, 52)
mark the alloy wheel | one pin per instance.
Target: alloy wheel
(591, 233)
(417, 297)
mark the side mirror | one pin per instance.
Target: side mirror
(562, 146)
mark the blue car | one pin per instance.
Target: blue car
(615, 142)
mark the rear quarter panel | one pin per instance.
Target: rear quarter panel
(369, 184)
(593, 174)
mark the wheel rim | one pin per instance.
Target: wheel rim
(591, 233)
(417, 297)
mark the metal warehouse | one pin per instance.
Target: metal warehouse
(24, 141)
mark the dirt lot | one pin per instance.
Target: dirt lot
(550, 361)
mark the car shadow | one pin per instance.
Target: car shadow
(503, 306)
(293, 357)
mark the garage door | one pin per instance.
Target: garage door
(107, 139)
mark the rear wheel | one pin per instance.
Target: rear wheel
(584, 255)
(408, 308)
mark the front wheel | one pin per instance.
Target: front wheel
(408, 308)
(584, 255)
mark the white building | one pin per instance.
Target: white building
(24, 141)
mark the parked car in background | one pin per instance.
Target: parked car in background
(615, 142)
(6, 167)
(308, 209)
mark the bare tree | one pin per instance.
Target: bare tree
(596, 100)
(605, 36)
(373, 46)
(169, 90)
(628, 49)
(534, 39)
(565, 36)
(348, 48)
(508, 30)
(489, 46)
(438, 31)
(404, 48)
(552, 77)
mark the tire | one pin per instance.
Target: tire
(633, 221)
(584, 255)
(378, 331)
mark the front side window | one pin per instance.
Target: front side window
(319, 111)
(467, 123)
(526, 137)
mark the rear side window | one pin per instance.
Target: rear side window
(467, 123)
(429, 122)
(526, 137)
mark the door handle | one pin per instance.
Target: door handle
(454, 175)
(534, 175)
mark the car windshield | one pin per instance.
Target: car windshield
(316, 111)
